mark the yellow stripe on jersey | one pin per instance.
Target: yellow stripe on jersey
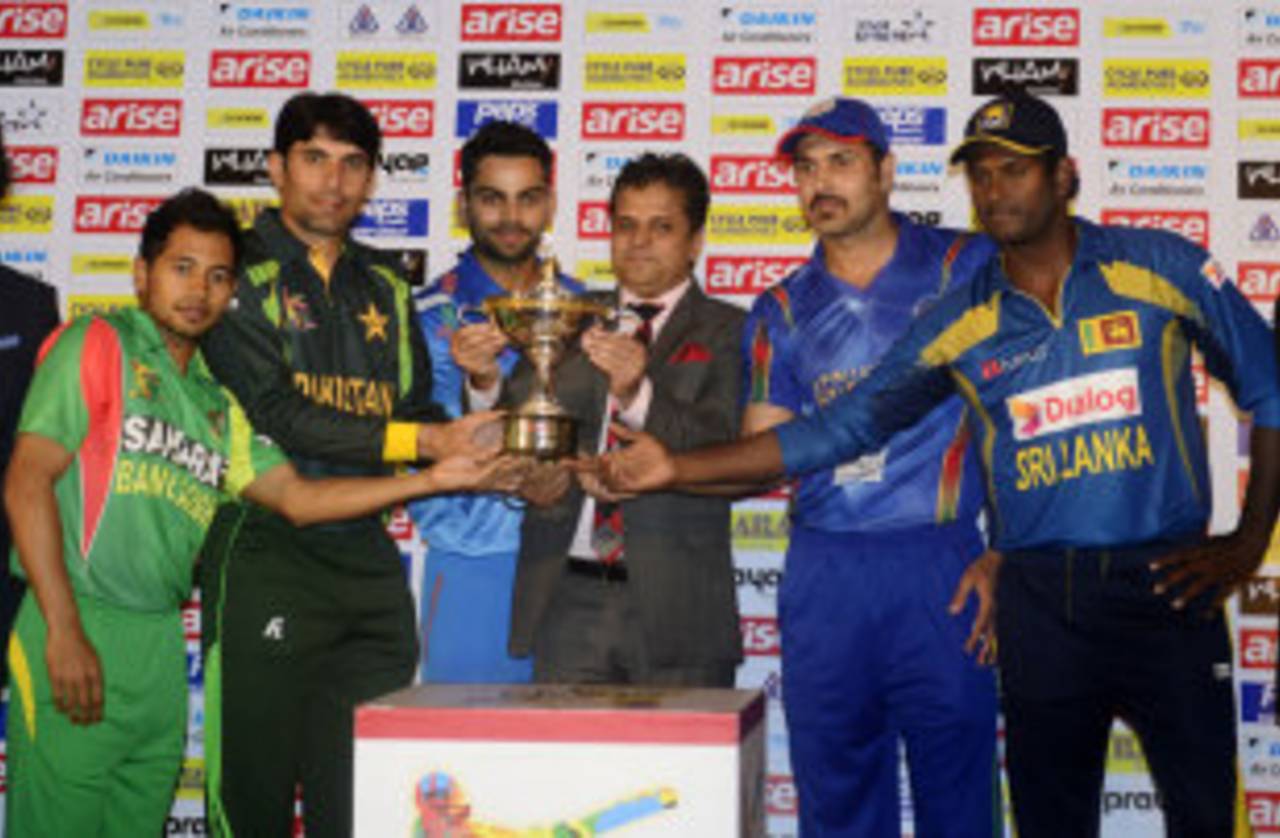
(240, 471)
(970, 394)
(1173, 357)
(1137, 283)
(976, 325)
(20, 677)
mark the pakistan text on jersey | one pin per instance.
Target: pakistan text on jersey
(348, 394)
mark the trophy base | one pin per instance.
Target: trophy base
(541, 436)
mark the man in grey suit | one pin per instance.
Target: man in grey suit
(640, 590)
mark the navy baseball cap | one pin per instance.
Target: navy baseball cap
(837, 118)
(1019, 122)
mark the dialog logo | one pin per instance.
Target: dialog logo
(1075, 402)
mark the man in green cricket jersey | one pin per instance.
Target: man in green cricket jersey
(126, 447)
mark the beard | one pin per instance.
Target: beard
(487, 245)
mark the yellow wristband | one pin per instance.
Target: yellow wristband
(401, 442)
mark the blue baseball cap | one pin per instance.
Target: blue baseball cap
(837, 118)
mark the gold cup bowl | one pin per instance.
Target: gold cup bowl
(541, 323)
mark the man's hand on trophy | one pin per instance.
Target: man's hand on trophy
(642, 465)
(474, 435)
(490, 473)
(544, 483)
(475, 348)
(588, 474)
(620, 357)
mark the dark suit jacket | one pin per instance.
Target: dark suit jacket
(28, 313)
(677, 547)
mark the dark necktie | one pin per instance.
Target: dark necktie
(607, 527)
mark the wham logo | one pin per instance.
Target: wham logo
(1083, 400)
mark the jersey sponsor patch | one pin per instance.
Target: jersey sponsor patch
(1110, 332)
(1075, 402)
(868, 468)
(1214, 274)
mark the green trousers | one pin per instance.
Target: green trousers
(113, 778)
(299, 625)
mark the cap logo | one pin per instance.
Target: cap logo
(819, 108)
(997, 116)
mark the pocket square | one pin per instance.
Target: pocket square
(691, 353)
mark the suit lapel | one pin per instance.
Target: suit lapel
(675, 329)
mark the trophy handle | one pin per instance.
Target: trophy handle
(470, 314)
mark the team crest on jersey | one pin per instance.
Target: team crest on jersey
(375, 324)
(1110, 332)
(217, 422)
(297, 312)
(145, 381)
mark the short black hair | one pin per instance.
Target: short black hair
(1051, 160)
(498, 138)
(676, 170)
(189, 208)
(336, 114)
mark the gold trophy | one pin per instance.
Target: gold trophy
(541, 321)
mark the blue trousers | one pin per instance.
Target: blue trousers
(872, 659)
(465, 619)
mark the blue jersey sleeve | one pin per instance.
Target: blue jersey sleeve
(767, 377)
(905, 385)
(1235, 340)
(438, 318)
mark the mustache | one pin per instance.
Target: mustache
(502, 229)
(813, 202)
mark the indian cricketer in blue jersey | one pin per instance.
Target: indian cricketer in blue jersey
(507, 200)
(1072, 347)
(873, 657)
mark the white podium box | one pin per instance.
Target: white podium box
(572, 761)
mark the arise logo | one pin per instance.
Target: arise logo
(750, 174)
(1155, 127)
(403, 117)
(764, 75)
(632, 120)
(250, 68)
(1026, 27)
(511, 22)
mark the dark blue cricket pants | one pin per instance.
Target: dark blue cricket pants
(871, 658)
(1084, 640)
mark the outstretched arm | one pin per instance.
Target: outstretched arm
(75, 673)
(304, 502)
(647, 465)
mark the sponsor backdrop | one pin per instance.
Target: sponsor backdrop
(1173, 111)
